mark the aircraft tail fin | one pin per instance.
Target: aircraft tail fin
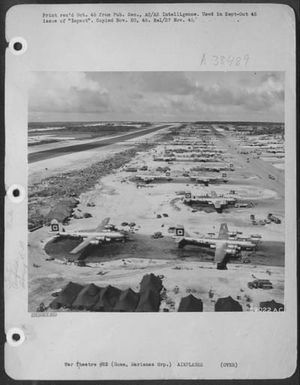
(221, 255)
(220, 252)
(55, 226)
(223, 232)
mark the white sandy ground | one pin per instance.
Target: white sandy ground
(280, 166)
(119, 198)
(124, 202)
(39, 138)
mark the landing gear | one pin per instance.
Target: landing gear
(181, 244)
(221, 266)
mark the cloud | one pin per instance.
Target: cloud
(274, 76)
(266, 94)
(66, 92)
(166, 82)
(158, 95)
(137, 95)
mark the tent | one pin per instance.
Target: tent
(149, 301)
(227, 304)
(271, 306)
(127, 301)
(150, 281)
(150, 288)
(107, 299)
(190, 303)
(67, 296)
(87, 297)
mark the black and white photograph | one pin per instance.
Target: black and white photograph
(156, 191)
(150, 178)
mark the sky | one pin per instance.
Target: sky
(156, 96)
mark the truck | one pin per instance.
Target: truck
(157, 235)
(260, 284)
(274, 219)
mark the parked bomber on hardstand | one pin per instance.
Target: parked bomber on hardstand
(103, 233)
(217, 201)
(226, 245)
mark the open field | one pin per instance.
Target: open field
(142, 180)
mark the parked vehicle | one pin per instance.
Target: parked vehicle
(157, 235)
(260, 284)
(274, 219)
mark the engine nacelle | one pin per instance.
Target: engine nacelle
(232, 247)
(95, 242)
(231, 251)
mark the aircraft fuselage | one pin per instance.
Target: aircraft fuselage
(97, 235)
(204, 242)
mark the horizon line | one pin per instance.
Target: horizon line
(158, 121)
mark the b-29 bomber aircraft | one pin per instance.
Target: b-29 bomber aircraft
(226, 245)
(217, 201)
(103, 233)
(148, 178)
(208, 180)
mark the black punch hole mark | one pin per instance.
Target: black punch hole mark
(16, 192)
(17, 46)
(16, 337)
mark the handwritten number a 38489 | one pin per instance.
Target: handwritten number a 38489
(222, 60)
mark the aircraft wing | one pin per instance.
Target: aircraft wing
(82, 245)
(102, 225)
(220, 251)
(200, 241)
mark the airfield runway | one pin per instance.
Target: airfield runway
(59, 151)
